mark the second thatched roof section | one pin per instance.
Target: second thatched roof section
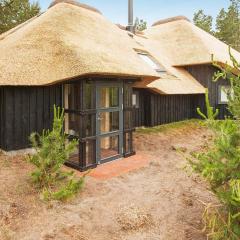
(67, 41)
(176, 43)
(176, 80)
(186, 44)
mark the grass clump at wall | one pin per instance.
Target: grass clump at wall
(170, 126)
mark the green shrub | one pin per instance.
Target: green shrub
(211, 114)
(52, 150)
(220, 164)
(219, 224)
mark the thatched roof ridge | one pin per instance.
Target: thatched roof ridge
(172, 19)
(186, 44)
(10, 31)
(121, 26)
(65, 42)
(75, 3)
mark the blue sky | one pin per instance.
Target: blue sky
(151, 10)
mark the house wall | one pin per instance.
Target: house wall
(26, 110)
(141, 113)
(204, 74)
(172, 108)
(156, 109)
(1, 116)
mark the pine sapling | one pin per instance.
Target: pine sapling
(220, 162)
(52, 151)
(211, 114)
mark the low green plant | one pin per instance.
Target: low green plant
(52, 150)
(220, 163)
(211, 114)
(168, 127)
(219, 224)
(231, 73)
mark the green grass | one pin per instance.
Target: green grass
(170, 126)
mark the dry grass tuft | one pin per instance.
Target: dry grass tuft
(6, 233)
(133, 218)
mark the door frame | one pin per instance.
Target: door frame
(99, 110)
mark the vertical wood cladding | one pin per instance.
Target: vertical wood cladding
(204, 74)
(155, 109)
(1, 116)
(140, 113)
(25, 110)
(170, 108)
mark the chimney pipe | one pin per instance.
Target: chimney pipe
(130, 16)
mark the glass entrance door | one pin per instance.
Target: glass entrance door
(109, 122)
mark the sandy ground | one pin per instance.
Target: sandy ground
(159, 202)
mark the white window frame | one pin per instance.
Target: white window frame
(222, 93)
(148, 59)
(135, 98)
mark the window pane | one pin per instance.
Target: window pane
(149, 61)
(72, 96)
(109, 146)
(90, 125)
(109, 121)
(72, 124)
(135, 99)
(224, 94)
(109, 97)
(128, 120)
(74, 157)
(128, 143)
(89, 94)
(153, 64)
(128, 96)
(90, 152)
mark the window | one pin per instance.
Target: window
(135, 99)
(151, 62)
(109, 97)
(72, 96)
(72, 124)
(224, 91)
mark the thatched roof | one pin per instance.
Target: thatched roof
(172, 19)
(184, 44)
(175, 43)
(75, 3)
(176, 80)
(64, 42)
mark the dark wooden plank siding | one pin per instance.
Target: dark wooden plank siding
(204, 74)
(1, 116)
(26, 110)
(170, 108)
(156, 109)
(140, 113)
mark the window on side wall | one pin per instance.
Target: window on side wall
(223, 93)
(135, 99)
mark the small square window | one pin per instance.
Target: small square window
(224, 91)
